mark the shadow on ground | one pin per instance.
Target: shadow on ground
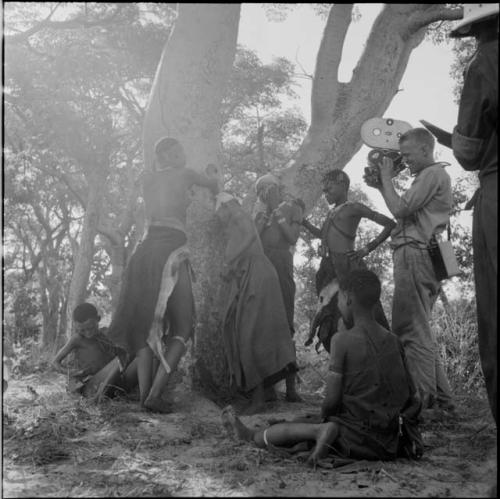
(58, 445)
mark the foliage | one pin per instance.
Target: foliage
(457, 337)
(464, 49)
(258, 134)
(94, 109)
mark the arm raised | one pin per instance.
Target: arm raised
(195, 178)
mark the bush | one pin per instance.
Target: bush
(29, 358)
(456, 330)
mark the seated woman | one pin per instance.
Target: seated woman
(368, 387)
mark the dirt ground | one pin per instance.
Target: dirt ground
(59, 445)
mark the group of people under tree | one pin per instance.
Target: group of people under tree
(379, 377)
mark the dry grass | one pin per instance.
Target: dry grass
(456, 329)
(67, 446)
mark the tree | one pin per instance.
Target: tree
(257, 135)
(338, 109)
(94, 110)
(185, 102)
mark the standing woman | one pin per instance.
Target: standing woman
(279, 228)
(154, 316)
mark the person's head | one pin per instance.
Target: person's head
(480, 20)
(335, 186)
(359, 290)
(224, 206)
(417, 149)
(268, 188)
(169, 153)
(86, 320)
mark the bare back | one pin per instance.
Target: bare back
(166, 194)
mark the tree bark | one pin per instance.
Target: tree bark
(185, 103)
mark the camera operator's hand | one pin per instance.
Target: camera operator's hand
(372, 180)
(386, 168)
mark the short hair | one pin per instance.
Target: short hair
(165, 143)
(337, 177)
(420, 135)
(84, 312)
(364, 285)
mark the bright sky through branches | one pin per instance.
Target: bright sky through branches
(426, 87)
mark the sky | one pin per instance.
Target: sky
(427, 86)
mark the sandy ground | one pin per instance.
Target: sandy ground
(59, 445)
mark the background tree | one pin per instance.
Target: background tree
(87, 115)
(94, 112)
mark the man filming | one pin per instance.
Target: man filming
(421, 212)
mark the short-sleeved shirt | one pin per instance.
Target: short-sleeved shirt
(424, 209)
(375, 384)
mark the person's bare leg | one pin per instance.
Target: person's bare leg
(234, 426)
(180, 310)
(327, 433)
(130, 376)
(144, 372)
(283, 434)
(291, 390)
(258, 400)
(98, 385)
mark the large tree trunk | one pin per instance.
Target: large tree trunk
(339, 109)
(185, 103)
(85, 252)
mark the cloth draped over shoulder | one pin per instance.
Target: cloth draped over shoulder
(257, 340)
(280, 253)
(150, 277)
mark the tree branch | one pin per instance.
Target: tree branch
(79, 21)
(437, 12)
(65, 179)
(325, 81)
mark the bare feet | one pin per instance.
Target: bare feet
(270, 395)
(234, 426)
(156, 404)
(293, 396)
(326, 436)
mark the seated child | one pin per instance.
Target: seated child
(368, 387)
(92, 351)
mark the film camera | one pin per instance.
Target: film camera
(382, 135)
